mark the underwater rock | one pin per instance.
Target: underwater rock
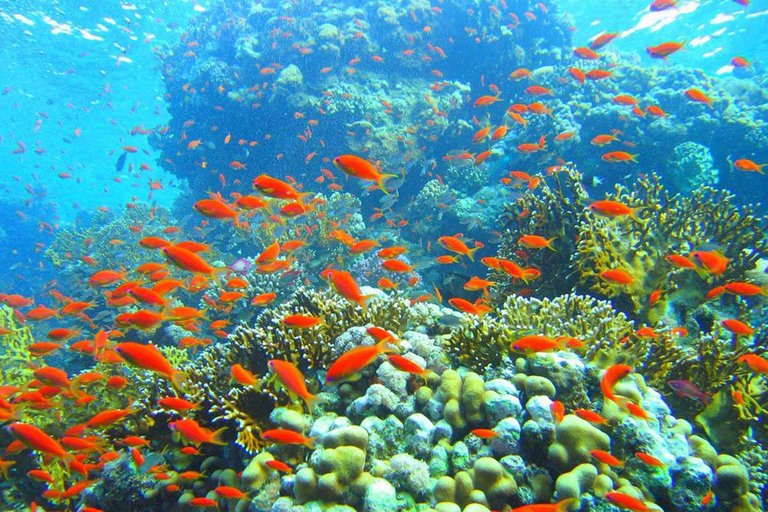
(123, 489)
(378, 400)
(409, 474)
(381, 432)
(690, 167)
(575, 482)
(506, 442)
(418, 434)
(380, 496)
(574, 440)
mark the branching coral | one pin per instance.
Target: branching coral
(667, 225)
(484, 341)
(16, 369)
(551, 211)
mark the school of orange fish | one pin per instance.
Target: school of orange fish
(149, 288)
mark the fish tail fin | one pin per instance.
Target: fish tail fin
(760, 168)
(312, 400)
(216, 437)
(363, 301)
(178, 378)
(218, 272)
(471, 253)
(388, 344)
(566, 504)
(380, 181)
(300, 199)
(549, 243)
(634, 212)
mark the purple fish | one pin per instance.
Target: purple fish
(687, 389)
(241, 266)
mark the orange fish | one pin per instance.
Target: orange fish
(282, 436)
(279, 466)
(301, 321)
(606, 458)
(197, 435)
(217, 210)
(627, 502)
(293, 380)
(351, 362)
(346, 286)
(536, 242)
(609, 208)
(590, 416)
(737, 327)
(602, 140)
(279, 189)
(746, 165)
(149, 358)
(243, 376)
(108, 417)
(561, 506)
(744, 289)
(650, 460)
(699, 97)
(558, 411)
(664, 50)
(611, 376)
(38, 440)
(711, 261)
(362, 169)
(406, 365)
(535, 343)
(468, 307)
(484, 433)
(680, 261)
(617, 276)
(456, 245)
(177, 404)
(397, 266)
(484, 101)
(602, 40)
(754, 363)
(619, 156)
(263, 299)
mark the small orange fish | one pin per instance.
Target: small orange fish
(627, 502)
(484, 433)
(650, 460)
(699, 97)
(590, 416)
(293, 380)
(406, 365)
(536, 242)
(606, 458)
(737, 327)
(609, 208)
(617, 276)
(745, 289)
(148, 357)
(754, 363)
(558, 411)
(351, 362)
(711, 261)
(611, 376)
(362, 169)
(242, 376)
(301, 321)
(197, 435)
(282, 436)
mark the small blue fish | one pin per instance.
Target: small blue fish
(687, 389)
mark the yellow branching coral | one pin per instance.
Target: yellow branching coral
(485, 341)
(16, 369)
(552, 211)
(667, 225)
